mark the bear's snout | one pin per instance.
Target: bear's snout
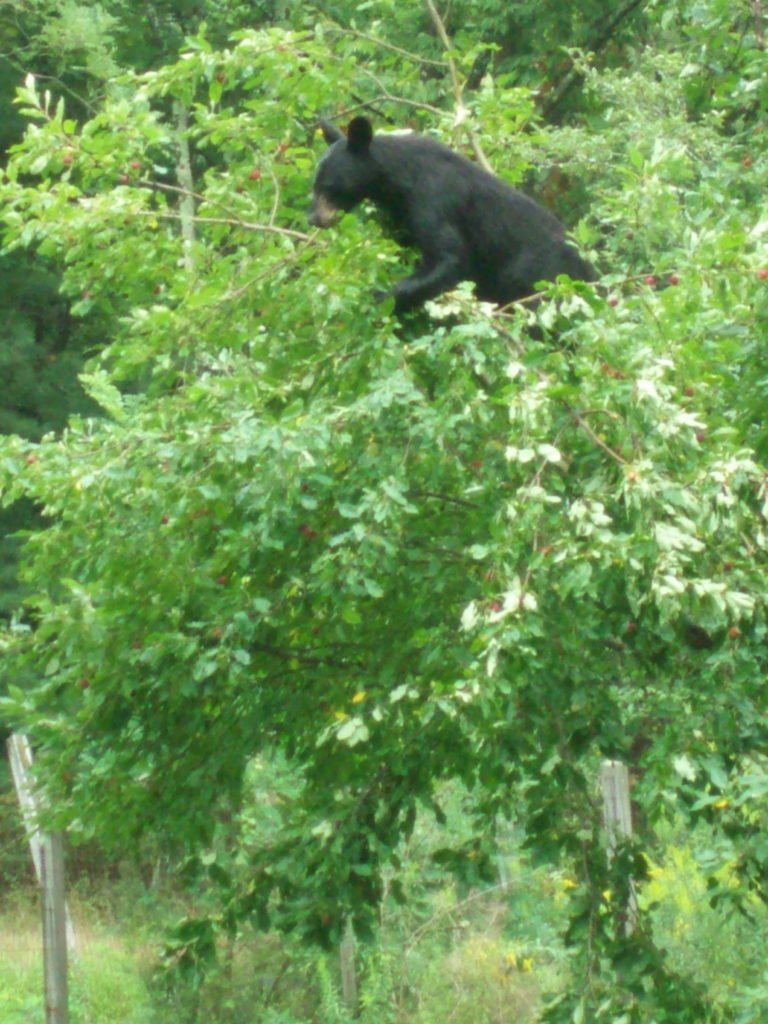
(322, 214)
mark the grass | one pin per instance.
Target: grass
(107, 977)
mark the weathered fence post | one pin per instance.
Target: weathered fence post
(349, 989)
(617, 818)
(48, 858)
(54, 930)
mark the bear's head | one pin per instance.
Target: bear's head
(346, 173)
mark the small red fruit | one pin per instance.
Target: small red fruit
(222, 580)
(650, 280)
(135, 165)
(763, 273)
(123, 179)
(84, 683)
(727, 566)
(689, 392)
(673, 279)
(496, 606)
(282, 147)
(701, 435)
(747, 161)
(165, 520)
(31, 460)
(255, 174)
(734, 632)
(68, 158)
(613, 301)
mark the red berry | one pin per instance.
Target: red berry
(255, 174)
(135, 165)
(84, 683)
(31, 460)
(689, 392)
(123, 179)
(496, 606)
(734, 632)
(673, 279)
(650, 280)
(701, 435)
(67, 158)
(727, 566)
(763, 273)
(747, 161)
(613, 301)
(222, 580)
(165, 520)
(282, 147)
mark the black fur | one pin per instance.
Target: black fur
(467, 224)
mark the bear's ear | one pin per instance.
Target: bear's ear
(359, 134)
(330, 132)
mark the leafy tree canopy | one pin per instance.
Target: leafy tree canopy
(399, 554)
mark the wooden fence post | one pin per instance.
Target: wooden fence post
(54, 930)
(349, 989)
(20, 756)
(48, 858)
(617, 818)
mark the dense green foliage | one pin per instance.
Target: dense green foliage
(402, 555)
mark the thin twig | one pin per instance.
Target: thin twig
(244, 224)
(414, 938)
(387, 95)
(462, 113)
(449, 499)
(387, 46)
(600, 443)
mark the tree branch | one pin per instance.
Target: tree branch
(387, 46)
(462, 114)
(573, 77)
(593, 436)
(244, 224)
(184, 172)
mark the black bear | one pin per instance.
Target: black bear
(467, 224)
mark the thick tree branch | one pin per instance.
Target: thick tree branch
(573, 77)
